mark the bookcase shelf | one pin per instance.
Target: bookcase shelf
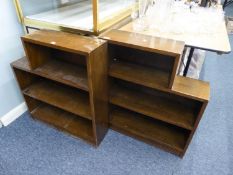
(66, 73)
(59, 78)
(148, 100)
(139, 74)
(65, 121)
(62, 97)
(157, 106)
(149, 130)
(59, 71)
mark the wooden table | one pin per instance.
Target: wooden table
(218, 43)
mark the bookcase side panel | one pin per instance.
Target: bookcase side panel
(97, 64)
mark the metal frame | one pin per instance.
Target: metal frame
(98, 25)
(27, 29)
(186, 68)
(18, 10)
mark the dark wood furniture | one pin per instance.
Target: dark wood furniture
(148, 100)
(69, 81)
(60, 81)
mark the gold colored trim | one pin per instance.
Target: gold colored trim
(46, 25)
(40, 24)
(19, 10)
(113, 19)
(95, 10)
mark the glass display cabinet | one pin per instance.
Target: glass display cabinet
(87, 16)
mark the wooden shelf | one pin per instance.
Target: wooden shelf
(191, 88)
(157, 107)
(149, 130)
(21, 64)
(65, 121)
(143, 75)
(63, 72)
(157, 79)
(65, 98)
(60, 71)
(184, 86)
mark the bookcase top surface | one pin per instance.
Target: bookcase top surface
(196, 89)
(65, 41)
(21, 63)
(145, 42)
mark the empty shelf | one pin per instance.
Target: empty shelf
(143, 75)
(21, 64)
(195, 89)
(66, 73)
(149, 130)
(60, 71)
(156, 107)
(65, 98)
(65, 121)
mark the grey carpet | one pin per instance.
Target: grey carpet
(31, 148)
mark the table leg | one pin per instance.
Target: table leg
(188, 62)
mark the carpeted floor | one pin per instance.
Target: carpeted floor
(31, 148)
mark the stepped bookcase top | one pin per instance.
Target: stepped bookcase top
(145, 42)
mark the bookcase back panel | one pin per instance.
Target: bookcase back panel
(140, 57)
(69, 57)
(39, 55)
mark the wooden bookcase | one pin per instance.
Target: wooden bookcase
(148, 100)
(59, 80)
(69, 82)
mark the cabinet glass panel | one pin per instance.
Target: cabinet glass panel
(112, 10)
(84, 15)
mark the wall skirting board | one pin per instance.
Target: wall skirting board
(13, 114)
